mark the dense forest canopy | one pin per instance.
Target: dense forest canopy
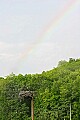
(55, 91)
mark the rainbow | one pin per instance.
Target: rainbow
(54, 23)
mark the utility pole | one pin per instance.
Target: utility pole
(32, 108)
(28, 95)
(70, 111)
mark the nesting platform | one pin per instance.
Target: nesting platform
(26, 94)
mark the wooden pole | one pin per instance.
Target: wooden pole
(70, 111)
(32, 108)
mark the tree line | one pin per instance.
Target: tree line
(55, 91)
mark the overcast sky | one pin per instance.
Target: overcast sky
(36, 34)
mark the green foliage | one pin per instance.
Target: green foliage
(62, 62)
(54, 90)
